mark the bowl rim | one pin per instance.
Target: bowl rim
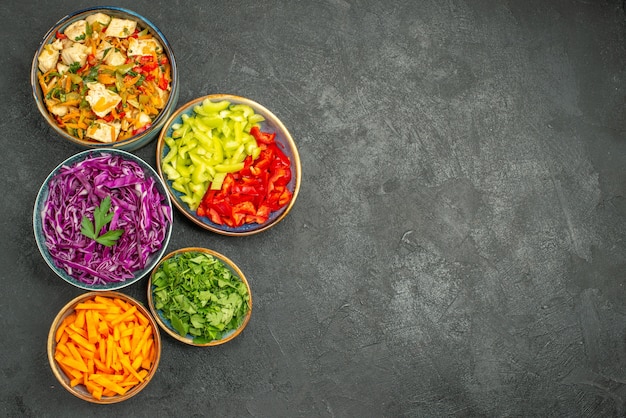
(229, 263)
(42, 194)
(296, 164)
(135, 141)
(64, 380)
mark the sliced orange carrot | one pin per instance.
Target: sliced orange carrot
(143, 320)
(145, 348)
(124, 316)
(147, 332)
(137, 362)
(69, 371)
(146, 364)
(92, 332)
(91, 306)
(62, 348)
(86, 354)
(106, 345)
(97, 393)
(108, 384)
(80, 318)
(68, 320)
(74, 329)
(71, 362)
(129, 367)
(82, 341)
(76, 355)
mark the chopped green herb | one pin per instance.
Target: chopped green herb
(75, 66)
(92, 75)
(101, 216)
(200, 296)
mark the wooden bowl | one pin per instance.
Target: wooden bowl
(165, 323)
(62, 373)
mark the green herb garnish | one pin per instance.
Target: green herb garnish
(101, 216)
(92, 75)
(75, 66)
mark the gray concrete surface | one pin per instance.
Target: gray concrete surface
(457, 248)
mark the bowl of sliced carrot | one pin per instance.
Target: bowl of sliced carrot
(105, 77)
(104, 347)
(231, 166)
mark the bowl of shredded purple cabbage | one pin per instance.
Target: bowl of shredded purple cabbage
(102, 219)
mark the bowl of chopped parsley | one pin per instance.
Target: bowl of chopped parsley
(199, 297)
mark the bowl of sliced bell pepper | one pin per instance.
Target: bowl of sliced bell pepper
(230, 165)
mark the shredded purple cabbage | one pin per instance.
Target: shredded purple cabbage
(138, 206)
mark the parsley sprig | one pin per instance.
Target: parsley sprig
(101, 217)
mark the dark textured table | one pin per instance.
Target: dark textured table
(457, 247)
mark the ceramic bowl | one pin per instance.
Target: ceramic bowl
(166, 324)
(271, 124)
(75, 384)
(40, 236)
(142, 137)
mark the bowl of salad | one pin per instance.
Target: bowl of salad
(102, 219)
(230, 165)
(104, 347)
(199, 297)
(105, 77)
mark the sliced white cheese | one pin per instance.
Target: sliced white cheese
(76, 52)
(103, 46)
(58, 44)
(120, 28)
(101, 99)
(133, 102)
(58, 110)
(76, 31)
(103, 131)
(47, 60)
(62, 68)
(115, 58)
(161, 98)
(142, 120)
(98, 17)
(143, 47)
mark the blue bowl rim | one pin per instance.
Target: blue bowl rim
(42, 194)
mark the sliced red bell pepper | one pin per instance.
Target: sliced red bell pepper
(262, 137)
(251, 194)
(92, 60)
(163, 83)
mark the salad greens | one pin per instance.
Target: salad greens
(200, 296)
